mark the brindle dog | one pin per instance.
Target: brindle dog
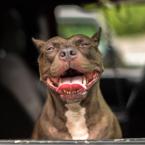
(75, 108)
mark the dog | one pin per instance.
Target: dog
(75, 109)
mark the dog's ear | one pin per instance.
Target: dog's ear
(96, 37)
(38, 43)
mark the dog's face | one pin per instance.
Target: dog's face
(70, 66)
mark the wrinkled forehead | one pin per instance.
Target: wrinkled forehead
(56, 39)
(60, 40)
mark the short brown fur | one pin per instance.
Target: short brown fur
(101, 122)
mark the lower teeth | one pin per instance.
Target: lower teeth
(70, 92)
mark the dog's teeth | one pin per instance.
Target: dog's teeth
(95, 75)
(84, 81)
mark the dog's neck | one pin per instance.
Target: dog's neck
(89, 102)
(76, 121)
(76, 117)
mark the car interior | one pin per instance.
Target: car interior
(122, 45)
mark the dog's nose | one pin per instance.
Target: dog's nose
(68, 54)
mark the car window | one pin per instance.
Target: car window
(123, 30)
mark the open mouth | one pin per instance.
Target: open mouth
(72, 85)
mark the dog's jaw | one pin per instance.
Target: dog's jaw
(73, 86)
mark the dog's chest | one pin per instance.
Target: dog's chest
(76, 122)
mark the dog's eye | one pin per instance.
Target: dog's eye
(50, 49)
(82, 43)
(85, 44)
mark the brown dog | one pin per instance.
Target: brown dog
(75, 108)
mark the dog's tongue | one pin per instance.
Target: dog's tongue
(71, 80)
(72, 84)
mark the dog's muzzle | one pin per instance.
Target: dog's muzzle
(73, 85)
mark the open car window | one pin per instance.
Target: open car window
(123, 30)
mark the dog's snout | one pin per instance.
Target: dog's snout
(68, 54)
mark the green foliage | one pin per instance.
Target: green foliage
(127, 20)
(67, 30)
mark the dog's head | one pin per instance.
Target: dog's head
(70, 66)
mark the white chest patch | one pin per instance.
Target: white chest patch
(76, 122)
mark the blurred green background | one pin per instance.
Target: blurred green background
(127, 19)
(123, 20)
(69, 29)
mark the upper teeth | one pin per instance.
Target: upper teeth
(84, 81)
